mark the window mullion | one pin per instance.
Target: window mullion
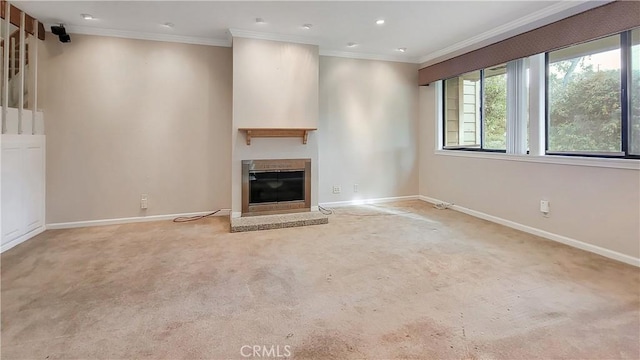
(537, 104)
(482, 109)
(517, 111)
(625, 75)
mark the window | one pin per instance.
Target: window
(588, 112)
(462, 107)
(495, 108)
(585, 101)
(475, 110)
(584, 87)
(481, 107)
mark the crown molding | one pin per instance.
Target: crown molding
(364, 56)
(496, 34)
(85, 30)
(273, 37)
(505, 31)
(323, 52)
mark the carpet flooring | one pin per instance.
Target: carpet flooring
(393, 281)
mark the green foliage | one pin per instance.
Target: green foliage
(584, 108)
(495, 112)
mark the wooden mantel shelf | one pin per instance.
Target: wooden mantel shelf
(277, 132)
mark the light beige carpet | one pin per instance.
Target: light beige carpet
(396, 281)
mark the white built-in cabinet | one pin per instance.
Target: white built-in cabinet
(22, 184)
(22, 143)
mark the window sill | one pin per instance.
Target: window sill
(629, 164)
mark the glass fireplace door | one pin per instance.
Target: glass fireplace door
(276, 186)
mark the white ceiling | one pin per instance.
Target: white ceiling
(428, 29)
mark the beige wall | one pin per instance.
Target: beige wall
(157, 119)
(126, 117)
(368, 132)
(597, 206)
(169, 133)
(275, 84)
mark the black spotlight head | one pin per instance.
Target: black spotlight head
(65, 38)
(58, 30)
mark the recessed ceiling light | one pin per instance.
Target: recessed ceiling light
(260, 21)
(87, 16)
(307, 26)
(352, 44)
(168, 25)
(401, 49)
(380, 22)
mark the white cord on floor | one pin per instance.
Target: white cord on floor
(325, 211)
(443, 205)
(182, 219)
(329, 211)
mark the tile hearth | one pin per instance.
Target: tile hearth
(268, 222)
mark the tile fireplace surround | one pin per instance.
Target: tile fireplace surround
(276, 186)
(279, 190)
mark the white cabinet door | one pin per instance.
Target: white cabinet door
(33, 190)
(23, 188)
(12, 218)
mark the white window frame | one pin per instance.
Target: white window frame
(537, 131)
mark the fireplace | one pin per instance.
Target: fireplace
(276, 186)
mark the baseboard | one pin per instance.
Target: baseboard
(544, 234)
(22, 239)
(77, 224)
(369, 201)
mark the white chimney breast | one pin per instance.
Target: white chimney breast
(275, 84)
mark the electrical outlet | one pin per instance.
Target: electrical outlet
(355, 188)
(337, 189)
(544, 207)
(144, 201)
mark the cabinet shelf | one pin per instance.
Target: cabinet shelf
(277, 132)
